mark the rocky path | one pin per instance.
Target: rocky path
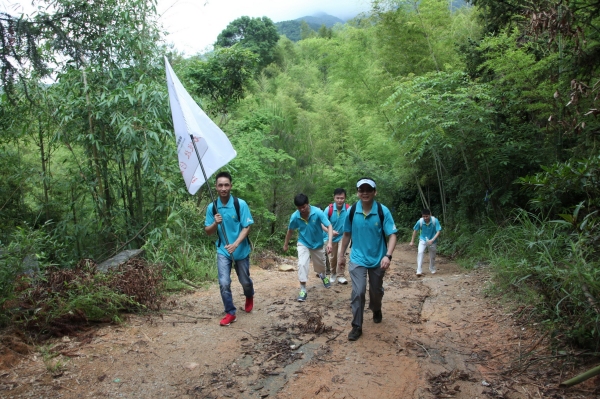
(441, 337)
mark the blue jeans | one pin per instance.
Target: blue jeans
(242, 269)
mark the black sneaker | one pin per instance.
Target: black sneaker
(377, 316)
(355, 334)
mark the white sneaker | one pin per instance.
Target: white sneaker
(333, 278)
(433, 272)
(342, 280)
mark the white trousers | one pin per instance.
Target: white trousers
(304, 256)
(432, 248)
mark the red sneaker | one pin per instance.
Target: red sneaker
(249, 304)
(228, 319)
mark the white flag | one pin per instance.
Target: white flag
(213, 145)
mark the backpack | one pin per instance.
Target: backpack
(421, 221)
(330, 210)
(236, 205)
(433, 220)
(379, 212)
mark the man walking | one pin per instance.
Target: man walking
(430, 230)
(307, 220)
(337, 213)
(369, 224)
(234, 215)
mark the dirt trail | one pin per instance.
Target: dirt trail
(440, 338)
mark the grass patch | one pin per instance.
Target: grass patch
(543, 264)
(61, 301)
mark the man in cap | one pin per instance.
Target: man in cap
(369, 225)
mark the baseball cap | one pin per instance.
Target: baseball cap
(368, 181)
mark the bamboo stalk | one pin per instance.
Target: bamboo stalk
(590, 298)
(581, 377)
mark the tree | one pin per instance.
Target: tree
(325, 32)
(223, 77)
(306, 31)
(258, 35)
(416, 36)
(100, 129)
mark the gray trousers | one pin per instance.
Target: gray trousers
(358, 274)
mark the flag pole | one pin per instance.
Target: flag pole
(212, 198)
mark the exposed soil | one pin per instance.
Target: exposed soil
(441, 337)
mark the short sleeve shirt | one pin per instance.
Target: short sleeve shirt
(368, 244)
(428, 230)
(233, 226)
(338, 219)
(310, 232)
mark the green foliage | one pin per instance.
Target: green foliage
(306, 32)
(60, 301)
(425, 31)
(182, 246)
(554, 269)
(53, 365)
(571, 191)
(25, 246)
(325, 32)
(289, 29)
(15, 178)
(563, 186)
(223, 77)
(259, 35)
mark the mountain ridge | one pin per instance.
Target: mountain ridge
(291, 28)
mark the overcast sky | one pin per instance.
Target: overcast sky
(194, 25)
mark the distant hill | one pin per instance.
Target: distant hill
(456, 4)
(321, 19)
(291, 29)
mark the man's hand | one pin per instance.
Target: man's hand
(412, 243)
(218, 218)
(328, 248)
(335, 233)
(341, 261)
(385, 263)
(285, 247)
(231, 248)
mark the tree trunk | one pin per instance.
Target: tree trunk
(44, 168)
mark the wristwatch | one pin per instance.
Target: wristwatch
(389, 257)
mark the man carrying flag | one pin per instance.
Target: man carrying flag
(203, 148)
(234, 216)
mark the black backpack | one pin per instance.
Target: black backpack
(236, 205)
(379, 212)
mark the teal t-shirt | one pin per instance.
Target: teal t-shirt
(310, 233)
(368, 244)
(233, 226)
(428, 230)
(337, 219)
